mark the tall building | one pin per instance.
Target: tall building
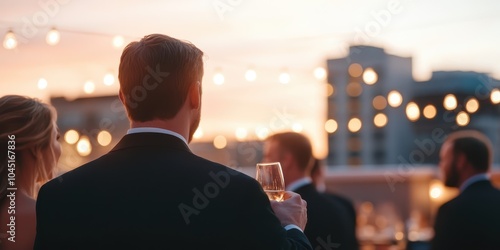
(370, 130)
(384, 117)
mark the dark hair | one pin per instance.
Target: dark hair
(475, 146)
(155, 76)
(298, 145)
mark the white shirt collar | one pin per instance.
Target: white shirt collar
(473, 179)
(156, 130)
(298, 184)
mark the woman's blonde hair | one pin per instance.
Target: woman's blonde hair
(32, 123)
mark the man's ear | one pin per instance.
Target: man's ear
(120, 95)
(461, 161)
(195, 95)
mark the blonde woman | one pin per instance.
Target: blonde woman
(29, 151)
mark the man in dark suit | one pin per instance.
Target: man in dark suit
(318, 179)
(151, 191)
(329, 224)
(472, 219)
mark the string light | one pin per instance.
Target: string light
(219, 78)
(71, 136)
(380, 120)
(104, 138)
(84, 147)
(495, 96)
(42, 83)
(284, 78)
(118, 41)
(320, 73)
(354, 125)
(355, 70)
(109, 79)
(463, 118)
(220, 142)
(241, 134)
(472, 105)
(89, 87)
(53, 37)
(10, 41)
(250, 75)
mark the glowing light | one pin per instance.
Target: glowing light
(320, 73)
(399, 235)
(354, 125)
(83, 146)
(89, 87)
(430, 111)
(53, 37)
(71, 136)
(220, 142)
(495, 96)
(462, 118)
(10, 41)
(472, 105)
(284, 78)
(354, 89)
(241, 134)
(297, 127)
(436, 192)
(118, 41)
(370, 77)
(109, 79)
(42, 83)
(331, 126)
(262, 133)
(450, 102)
(104, 138)
(380, 120)
(219, 78)
(412, 111)
(355, 70)
(394, 98)
(250, 75)
(198, 133)
(330, 90)
(379, 102)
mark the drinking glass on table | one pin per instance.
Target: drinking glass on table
(270, 176)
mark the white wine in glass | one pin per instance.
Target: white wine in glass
(270, 176)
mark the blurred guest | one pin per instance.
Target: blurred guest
(29, 152)
(318, 179)
(472, 219)
(330, 224)
(150, 191)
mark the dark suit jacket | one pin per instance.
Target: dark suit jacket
(329, 224)
(470, 221)
(152, 192)
(347, 205)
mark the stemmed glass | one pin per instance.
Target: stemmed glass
(270, 176)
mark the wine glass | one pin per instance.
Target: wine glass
(270, 176)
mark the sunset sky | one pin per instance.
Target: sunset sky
(268, 36)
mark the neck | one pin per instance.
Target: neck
(179, 126)
(468, 174)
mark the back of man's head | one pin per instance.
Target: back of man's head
(475, 146)
(155, 75)
(298, 146)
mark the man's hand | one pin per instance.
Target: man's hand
(292, 210)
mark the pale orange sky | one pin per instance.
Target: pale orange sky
(269, 36)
